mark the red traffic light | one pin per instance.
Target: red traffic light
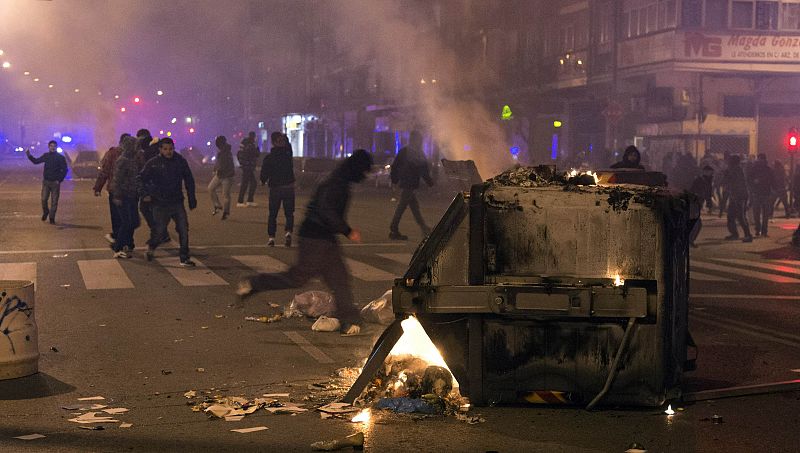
(792, 140)
(136, 100)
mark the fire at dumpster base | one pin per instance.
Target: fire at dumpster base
(416, 343)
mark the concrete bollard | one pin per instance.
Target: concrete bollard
(19, 347)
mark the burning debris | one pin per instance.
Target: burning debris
(543, 175)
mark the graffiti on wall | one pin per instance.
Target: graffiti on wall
(15, 315)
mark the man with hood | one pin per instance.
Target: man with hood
(762, 185)
(277, 171)
(248, 159)
(319, 252)
(632, 158)
(223, 176)
(55, 170)
(161, 183)
(736, 186)
(407, 169)
(104, 178)
(126, 197)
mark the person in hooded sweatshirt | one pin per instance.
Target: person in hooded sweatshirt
(319, 252)
(223, 176)
(125, 197)
(104, 178)
(277, 172)
(632, 158)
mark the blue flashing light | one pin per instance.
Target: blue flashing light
(66, 139)
(514, 150)
(397, 142)
(554, 147)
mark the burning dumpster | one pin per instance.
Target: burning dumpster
(545, 287)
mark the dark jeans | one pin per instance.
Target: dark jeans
(248, 184)
(761, 213)
(114, 209)
(408, 199)
(163, 214)
(128, 217)
(51, 190)
(277, 196)
(695, 231)
(722, 197)
(736, 213)
(782, 198)
(316, 258)
(146, 208)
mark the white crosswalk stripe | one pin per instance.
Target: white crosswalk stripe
(786, 269)
(364, 271)
(743, 272)
(197, 276)
(702, 276)
(402, 258)
(263, 264)
(19, 271)
(104, 274)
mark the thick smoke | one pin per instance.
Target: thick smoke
(405, 46)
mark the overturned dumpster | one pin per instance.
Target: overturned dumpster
(550, 288)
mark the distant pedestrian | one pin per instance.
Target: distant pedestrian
(632, 159)
(148, 149)
(223, 176)
(248, 159)
(104, 177)
(161, 183)
(736, 186)
(320, 254)
(780, 196)
(761, 184)
(55, 170)
(126, 197)
(702, 188)
(277, 171)
(407, 169)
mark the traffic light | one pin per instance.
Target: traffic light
(792, 140)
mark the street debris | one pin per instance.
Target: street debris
(30, 437)
(338, 408)
(65, 286)
(93, 428)
(469, 419)
(190, 394)
(326, 324)
(201, 370)
(636, 448)
(264, 319)
(312, 304)
(219, 316)
(234, 418)
(379, 311)
(166, 372)
(125, 425)
(355, 441)
(92, 398)
(91, 417)
(407, 405)
(84, 407)
(717, 419)
(61, 255)
(53, 348)
(275, 395)
(115, 410)
(249, 430)
(233, 408)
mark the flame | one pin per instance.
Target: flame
(416, 342)
(362, 417)
(618, 281)
(669, 410)
(573, 173)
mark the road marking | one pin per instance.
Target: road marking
(788, 262)
(198, 247)
(363, 271)
(746, 331)
(771, 267)
(402, 258)
(744, 272)
(764, 330)
(694, 275)
(262, 263)
(309, 348)
(742, 296)
(104, 274)
(19, 271)
(187, 276)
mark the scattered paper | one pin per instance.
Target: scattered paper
(84, 407)
(190, 394)
(288, 409)
(204, 327)
(90, 417)
(91, 398)
(93, 428)
(324, 415)
(338, 408)
(275, 395)
(115, 410)
(273, 305)
(250, 430)
(219, 316)
(201, 370)
(218, 411)
(30, 437)
(125, 425)
(234, 418)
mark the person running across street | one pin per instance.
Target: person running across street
(319, 252)
(126, 197)
(161, 183)
(55, 170)
(223, 176)
(277, 171)
(407, 169)
(248, 159)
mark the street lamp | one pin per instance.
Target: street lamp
(159, 93)
(6, 65)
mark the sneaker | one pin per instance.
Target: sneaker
(121, 254)
(287, 241)
(252, 204)
(241, 205)
(148, 255)
(397, 236)
(215, 211)
(44, 215)
(732, 237)
(52, 221)
(225, 215)
(348, 330)
(747, 239)
(109, 238)
(271, 242)
(188, 263)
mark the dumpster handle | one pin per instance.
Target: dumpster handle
(623, 346)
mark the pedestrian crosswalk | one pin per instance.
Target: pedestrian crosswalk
(115, 274)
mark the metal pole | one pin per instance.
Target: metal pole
(791, 181)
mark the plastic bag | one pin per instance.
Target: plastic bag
(326, 324)
(312, 304)
(379, 311)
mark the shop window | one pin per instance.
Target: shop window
(716, 14)
(739, 106)
(767, 15)
(790, 16)
(692, 13)
(742, 15)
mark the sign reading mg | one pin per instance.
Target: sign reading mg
(698, 44)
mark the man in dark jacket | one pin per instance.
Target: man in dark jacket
(248, 159)
(223, 176)
(703, 189)
(148, 149)
(160, 183)
(407, 169)
(277, 171)
(632, 158)
(780, 195)
(55, 170)
(104, 178)
(126, 197)
(736, 187)
(319, 252)
(761, 185)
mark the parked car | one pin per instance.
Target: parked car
(86, 164)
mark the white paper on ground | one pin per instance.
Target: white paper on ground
(90, 417)
(234, 418)
(338, 408)
(125, 425)
(250, 430)
(115, 410)
(91, 398)
(30, 437)
(275, 395)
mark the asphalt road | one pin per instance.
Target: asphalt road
(138, 338)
